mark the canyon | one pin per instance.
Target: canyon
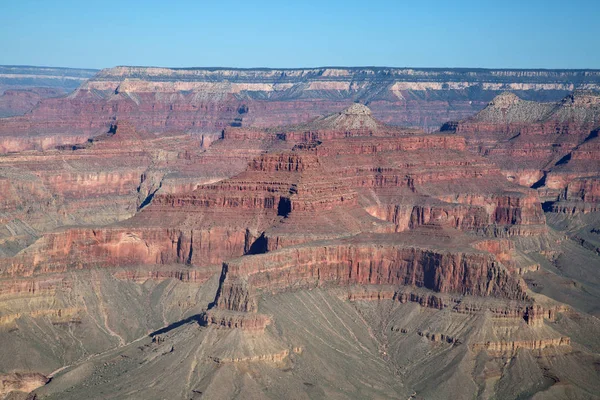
(550, 146)
(305, 233)
(23, 87)
(206, 100)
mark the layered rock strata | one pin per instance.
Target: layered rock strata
(304, 191)
(550, 146)
(208, 100)
(342, 202)
(381, 259)
(104, 179)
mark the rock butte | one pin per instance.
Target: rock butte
(378, 256)
(553, 147)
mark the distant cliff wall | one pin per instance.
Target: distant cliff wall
(204, 99)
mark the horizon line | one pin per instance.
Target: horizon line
(374, 67)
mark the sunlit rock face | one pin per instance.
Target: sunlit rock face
(208, 100)
(553, 147)
(296, 252)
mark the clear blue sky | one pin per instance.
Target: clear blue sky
(417, 33)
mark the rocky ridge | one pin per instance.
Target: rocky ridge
(23, 87)
(208, 100)
(549, 146)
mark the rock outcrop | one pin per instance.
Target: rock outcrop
(21, 382)
(511, 347)
(22, 88)
(105, 179)
(384, 259)
(208, 100)
(550, 146)
(219, 228)
(15, 102)
(299, 191)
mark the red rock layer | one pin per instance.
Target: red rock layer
(526, 138)
(369, 260)
(575, 182)
(295, 198)
(19, 101)
(112, 247)
(296, 192)
(104, 179)
(160, 99)
(551, 146)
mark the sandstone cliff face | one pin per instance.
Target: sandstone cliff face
(344, 183)
(572, 183)
(194, 100)
(344, 203)
(101, 180)
(75, 249)
(372, 260)
(547, 145)
(586, 189)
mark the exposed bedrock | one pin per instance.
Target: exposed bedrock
(576, 114)
(294, 200)
(294, 193)
(500, 308)
(508, 209)
(512, 346)
(110, 247)
(586, 189)
(373, 259)
(26, 142)
(553, 147)
(15, 102)
(243, 245)
(466, 212)
(24, 382)
(573, 184)
(103, 180)
(236, 320)
(410, 216)
(23, 87)
(201, 100)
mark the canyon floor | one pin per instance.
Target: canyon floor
(330, 256)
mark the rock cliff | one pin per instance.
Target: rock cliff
(550, 146)
(256, 248)
(22, 87)
(208, 100)
(98, 181)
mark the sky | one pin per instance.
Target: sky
(298, 34)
